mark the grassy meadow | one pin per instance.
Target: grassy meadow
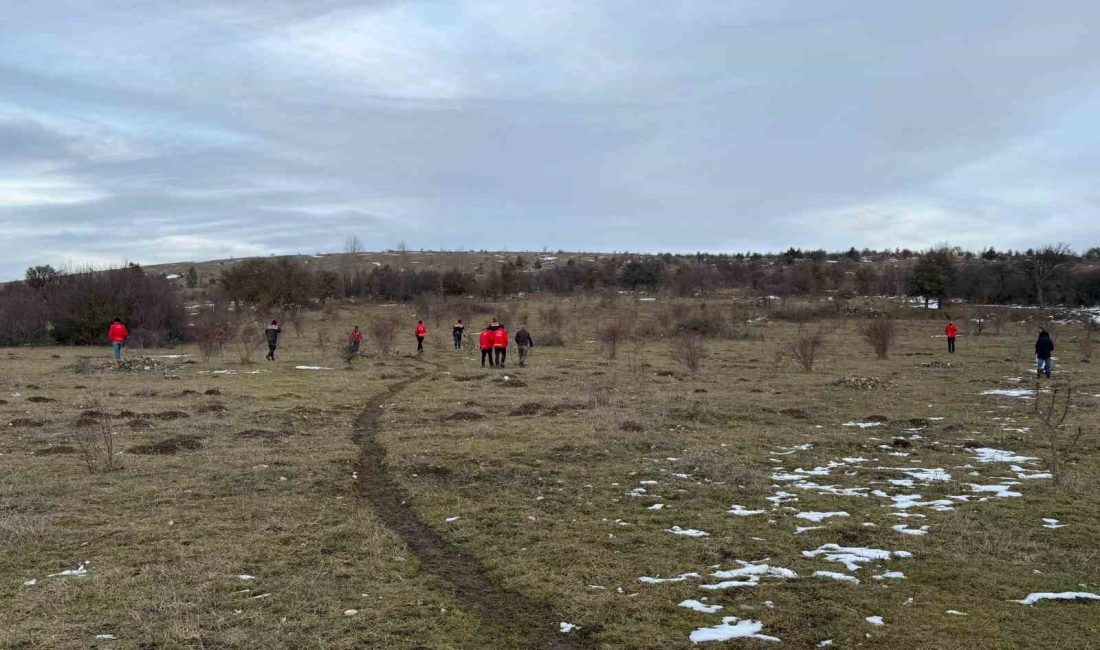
(608, 492)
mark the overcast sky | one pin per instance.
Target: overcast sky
(160, 130)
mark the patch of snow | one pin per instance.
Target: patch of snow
(852, 556)
(989, 455)
(890, 575)
(791, 450)
(244, 577)
(818, 517)
(688, 532)
(1065, 595)
(862, 425)
(1000, 491)
(1009, 392)
(656, 581)
(311, 368)
(697, 606)
(1053, 523)
(905, 530)
(740, 511)
(875, 620)
(451, 520)
(798, 530)
(955, 612)
(78, 572)
(106, 637)
(656, 506)
(731, 628)
(833, 575)
(566, 628)
(30, 582)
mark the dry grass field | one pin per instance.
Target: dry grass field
(427, 502)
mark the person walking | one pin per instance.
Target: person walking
(951, 331)
(457, 332)
(1044, 354)
(500, 344)
(485, 341)
(421, 332)
(117, 335)
(355, 338)
(273, 331)
(524, 343)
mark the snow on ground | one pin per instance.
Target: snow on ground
(818, 517)
(566, 628)
(78, 572)
(697, 606)
(906, 530)
(989, 455)
(311, 368)
(833, 575)
(853, 556)
(688, 532)
(1065, 595)
(875, 620)
(656, 581)
(1009, 392)
(731, 628)
(740, 511)
(862, 425)
(1053, 523)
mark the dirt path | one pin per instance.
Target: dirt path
(533, 622)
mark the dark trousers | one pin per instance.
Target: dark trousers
(951, 344)
(501, 355)
(355, 347)
(458, 341)
(523, 350)
(271, 351)
(487, 354)
(420, 344)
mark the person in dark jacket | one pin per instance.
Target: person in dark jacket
(1044, 351)
(524, 342)
(273, 331)
(458, 331)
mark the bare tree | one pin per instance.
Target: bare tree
(96, 442)
(612, 332)
(687, 348)
(383, 331)
(1045, 266)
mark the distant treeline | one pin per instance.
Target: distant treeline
(76, 307)
(1050, 275)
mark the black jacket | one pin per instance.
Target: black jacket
(523, 339)
(273, 334)
(1044, 346)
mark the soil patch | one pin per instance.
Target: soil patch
(464, 416)
(38, 399)
(213, 408)
(262, 434)
(863, 383)
(535, 622)
(169, 446)
(171, 415)
(27, 422)
(530, 408)
(52, 451)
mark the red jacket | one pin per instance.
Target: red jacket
(500, 338)
(355, 336)
(485, 339)
(421, 330)
(117, 333)
(951, 331)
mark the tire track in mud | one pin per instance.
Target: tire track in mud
(532, 621)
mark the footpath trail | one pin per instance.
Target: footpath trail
(533, 623)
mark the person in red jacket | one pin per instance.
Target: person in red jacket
(117, 335)
(421, 332)
(500, 345)
(485, 341)
(951, 331)
(355, 337)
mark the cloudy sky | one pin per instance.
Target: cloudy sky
(161, 130)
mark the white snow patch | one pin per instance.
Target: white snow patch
(656, 581)
(740, 511)
(955, 612)
(890, 575)
(311, 368)
(875, 620)
(566, 628)
(833, 575)
(731, 628)
(862, 425)
(798, 530)
(656, 506)
(697, 606)
(106, 637)
(852, 556)
(78, 572)
(1053, 523)
(30, 582)
(818, 517)
(688, 532)
(1065, 595)
(905, 530)
(989, 455)
(1000, 491)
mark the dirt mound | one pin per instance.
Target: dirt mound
(53, 451)
(213, 408)
(530, 408)
(146, 393)
(918, 422)
(169, 446)
(464, 416)
(139, 423)
(134, 364)
(863, 383)
(89, 418)
(212, 391)
(187, 391)
(632, 426)
(304, 410)
(262, 434)
(875, 418)
(27, 422)
(39, 399)
(171, 415)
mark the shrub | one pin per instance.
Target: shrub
(610, 334)
(687, 349)
(880, 334)
(347, 352)
(96, 442)
(805, 347)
